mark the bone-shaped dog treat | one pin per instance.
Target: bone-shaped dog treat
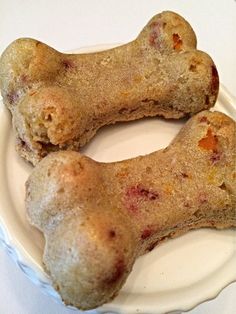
(98, 217)
(59, 101)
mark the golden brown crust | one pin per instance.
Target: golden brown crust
(59, 101)
(98, 217)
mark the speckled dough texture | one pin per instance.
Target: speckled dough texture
(59, 101)
(97, 218)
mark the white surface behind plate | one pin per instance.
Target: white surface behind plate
(96, 22)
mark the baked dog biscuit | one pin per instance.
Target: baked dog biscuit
(59, 101)
(97, 218)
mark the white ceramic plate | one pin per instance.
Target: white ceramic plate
(177, 275)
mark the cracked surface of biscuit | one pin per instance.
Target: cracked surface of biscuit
(97, 218)
(59, 101)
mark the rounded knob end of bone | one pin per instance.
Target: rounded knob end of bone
(28, 61)
(89, 257)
